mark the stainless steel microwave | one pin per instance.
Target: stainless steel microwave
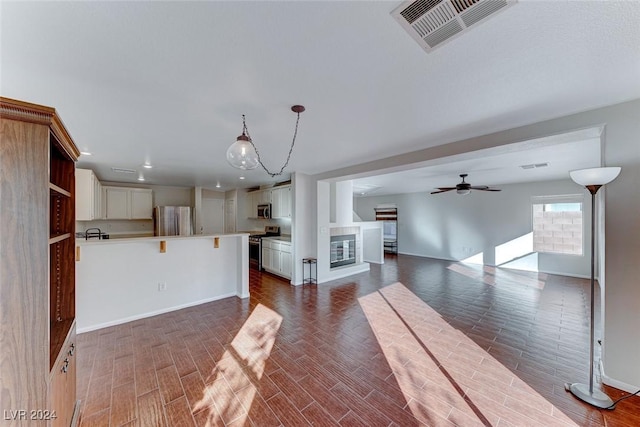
(264, 210)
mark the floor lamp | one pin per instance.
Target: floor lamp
(592, 179)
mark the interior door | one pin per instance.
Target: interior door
(212, 216)
(230, 216)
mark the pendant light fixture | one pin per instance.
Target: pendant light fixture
(243, 154)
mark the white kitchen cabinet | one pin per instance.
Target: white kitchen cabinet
(88, 196)
(286, 260)
(264, 197)
(281, 202)
(116, 202)
(266, 255)
(276, 257)
(141, 200)
(128, 203)
(252, 204)
(97, 199)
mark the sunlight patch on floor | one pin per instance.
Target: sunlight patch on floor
(446, 378)
(229, 395)
(493, 276)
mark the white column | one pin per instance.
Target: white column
(344, 202)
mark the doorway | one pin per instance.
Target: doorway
(212, 216)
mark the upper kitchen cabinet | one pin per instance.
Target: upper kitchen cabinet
(141, 201)
(253, 200)
(264, 197)
(88, 196)
(281, 202)
(127, 203)
(278, 197)
(37, 261)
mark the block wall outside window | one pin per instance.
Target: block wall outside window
(557, 228)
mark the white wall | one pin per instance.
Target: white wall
(453, 227)
(303, 233)
(344, 202)
(193, 270)
(621, 342)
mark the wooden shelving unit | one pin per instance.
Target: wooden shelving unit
(62, 304)
(37, 299)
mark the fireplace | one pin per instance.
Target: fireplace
(343, 250)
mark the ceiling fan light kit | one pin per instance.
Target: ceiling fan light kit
(464, 187)
(244, 155)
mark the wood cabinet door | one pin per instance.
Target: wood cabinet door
(62, 388)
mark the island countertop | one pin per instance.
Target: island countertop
(83, 242)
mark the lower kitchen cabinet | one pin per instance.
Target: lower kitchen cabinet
(276, 257)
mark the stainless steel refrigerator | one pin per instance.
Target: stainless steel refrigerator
(172, 221)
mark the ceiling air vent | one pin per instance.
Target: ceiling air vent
(123, 170)
(535, 165)
(432, 22)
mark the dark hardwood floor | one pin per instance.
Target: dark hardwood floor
(413, 342)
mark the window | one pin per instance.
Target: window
(557, 224)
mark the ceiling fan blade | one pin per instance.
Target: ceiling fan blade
(479, 187)
(446, 188)
(487, 189)
(442, 190)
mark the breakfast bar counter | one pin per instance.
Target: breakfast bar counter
(120, 280)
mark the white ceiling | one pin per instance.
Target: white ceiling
(552, 158)
(168, 82)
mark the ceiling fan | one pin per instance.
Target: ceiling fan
(464, 187)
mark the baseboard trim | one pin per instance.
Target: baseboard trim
(154, 313)
(629, 388)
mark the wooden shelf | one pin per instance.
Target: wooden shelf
(57, 191)
(59, 238)
(59, 331)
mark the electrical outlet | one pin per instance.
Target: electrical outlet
(162, 286)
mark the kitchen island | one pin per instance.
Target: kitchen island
(121, 280)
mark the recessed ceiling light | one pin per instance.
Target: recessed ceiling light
(85, 153)
(218, 185)
(147, 166)
(242, 177)
(141, 178)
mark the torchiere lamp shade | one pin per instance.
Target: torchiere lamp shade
(594, 176)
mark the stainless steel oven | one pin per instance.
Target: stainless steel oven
(255, 252)
(255, 245)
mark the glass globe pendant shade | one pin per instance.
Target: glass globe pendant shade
(242, 155)
(463, 191)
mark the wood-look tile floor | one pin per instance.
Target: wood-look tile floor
(415, 341)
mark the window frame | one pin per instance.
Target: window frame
(558, 199)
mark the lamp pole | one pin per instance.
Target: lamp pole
(592, 179)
